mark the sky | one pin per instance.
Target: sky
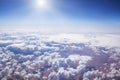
(61, 15)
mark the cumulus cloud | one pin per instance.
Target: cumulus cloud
(59, 56)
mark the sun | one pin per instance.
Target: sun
(41, 3)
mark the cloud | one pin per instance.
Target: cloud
(52, 76)
(4, 43)
(59, 56)
(83, 59)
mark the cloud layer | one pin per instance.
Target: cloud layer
(36, 56)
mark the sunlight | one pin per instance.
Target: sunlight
(41, 4)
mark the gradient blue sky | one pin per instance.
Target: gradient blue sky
(62, 15)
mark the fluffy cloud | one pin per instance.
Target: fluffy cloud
(59, 56)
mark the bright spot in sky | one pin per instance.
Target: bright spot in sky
(41, 3)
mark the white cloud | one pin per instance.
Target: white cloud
(82, 59)
(52, 76)
(54, 55)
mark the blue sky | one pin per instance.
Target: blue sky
(62, 15)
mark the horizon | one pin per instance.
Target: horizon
(70, 16)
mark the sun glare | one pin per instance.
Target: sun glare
(41, 3)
